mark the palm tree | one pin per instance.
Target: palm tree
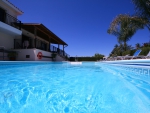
(125, 26)
(142, 8)
(137, 45)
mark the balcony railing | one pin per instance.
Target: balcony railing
(12, 21)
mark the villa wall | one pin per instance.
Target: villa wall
(22, 54)
(44, 53)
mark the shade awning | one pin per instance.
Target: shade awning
(42, 32)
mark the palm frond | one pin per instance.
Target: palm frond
(125, 26)
(142, 7)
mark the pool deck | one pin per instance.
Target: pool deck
(135, 63)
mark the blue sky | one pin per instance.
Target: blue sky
(82, 24)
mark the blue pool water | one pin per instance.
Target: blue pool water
(65, 88)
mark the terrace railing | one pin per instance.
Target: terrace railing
(12, 21)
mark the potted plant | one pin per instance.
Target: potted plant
(12, 55)
(53, 55)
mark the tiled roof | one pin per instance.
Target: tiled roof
(14, 5)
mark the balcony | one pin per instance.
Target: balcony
(10, 24)
(12, 21)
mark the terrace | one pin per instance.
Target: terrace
(39, 37)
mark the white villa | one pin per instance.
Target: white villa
(31, 41)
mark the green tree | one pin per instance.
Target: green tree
(115, 50)
(98, 56)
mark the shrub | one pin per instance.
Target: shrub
(12, 54)
(145, 50)
(84, 59)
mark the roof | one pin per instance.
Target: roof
(13, 6)
(43, 32)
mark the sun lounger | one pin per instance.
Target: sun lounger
(148, 55)
(144, 57)
(121, 57)
(105, 58)
(135, 55)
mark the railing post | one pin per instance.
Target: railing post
(63, 50)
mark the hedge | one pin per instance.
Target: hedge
(84, 59)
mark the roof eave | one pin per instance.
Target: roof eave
(19, 12)
(35, 24)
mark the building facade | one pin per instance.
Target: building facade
(31, 41)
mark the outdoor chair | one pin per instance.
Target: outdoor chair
(121, 57)
(105, 58)
(135, 55)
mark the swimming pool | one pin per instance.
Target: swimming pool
(47, 87)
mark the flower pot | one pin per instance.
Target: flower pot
(12, 58)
